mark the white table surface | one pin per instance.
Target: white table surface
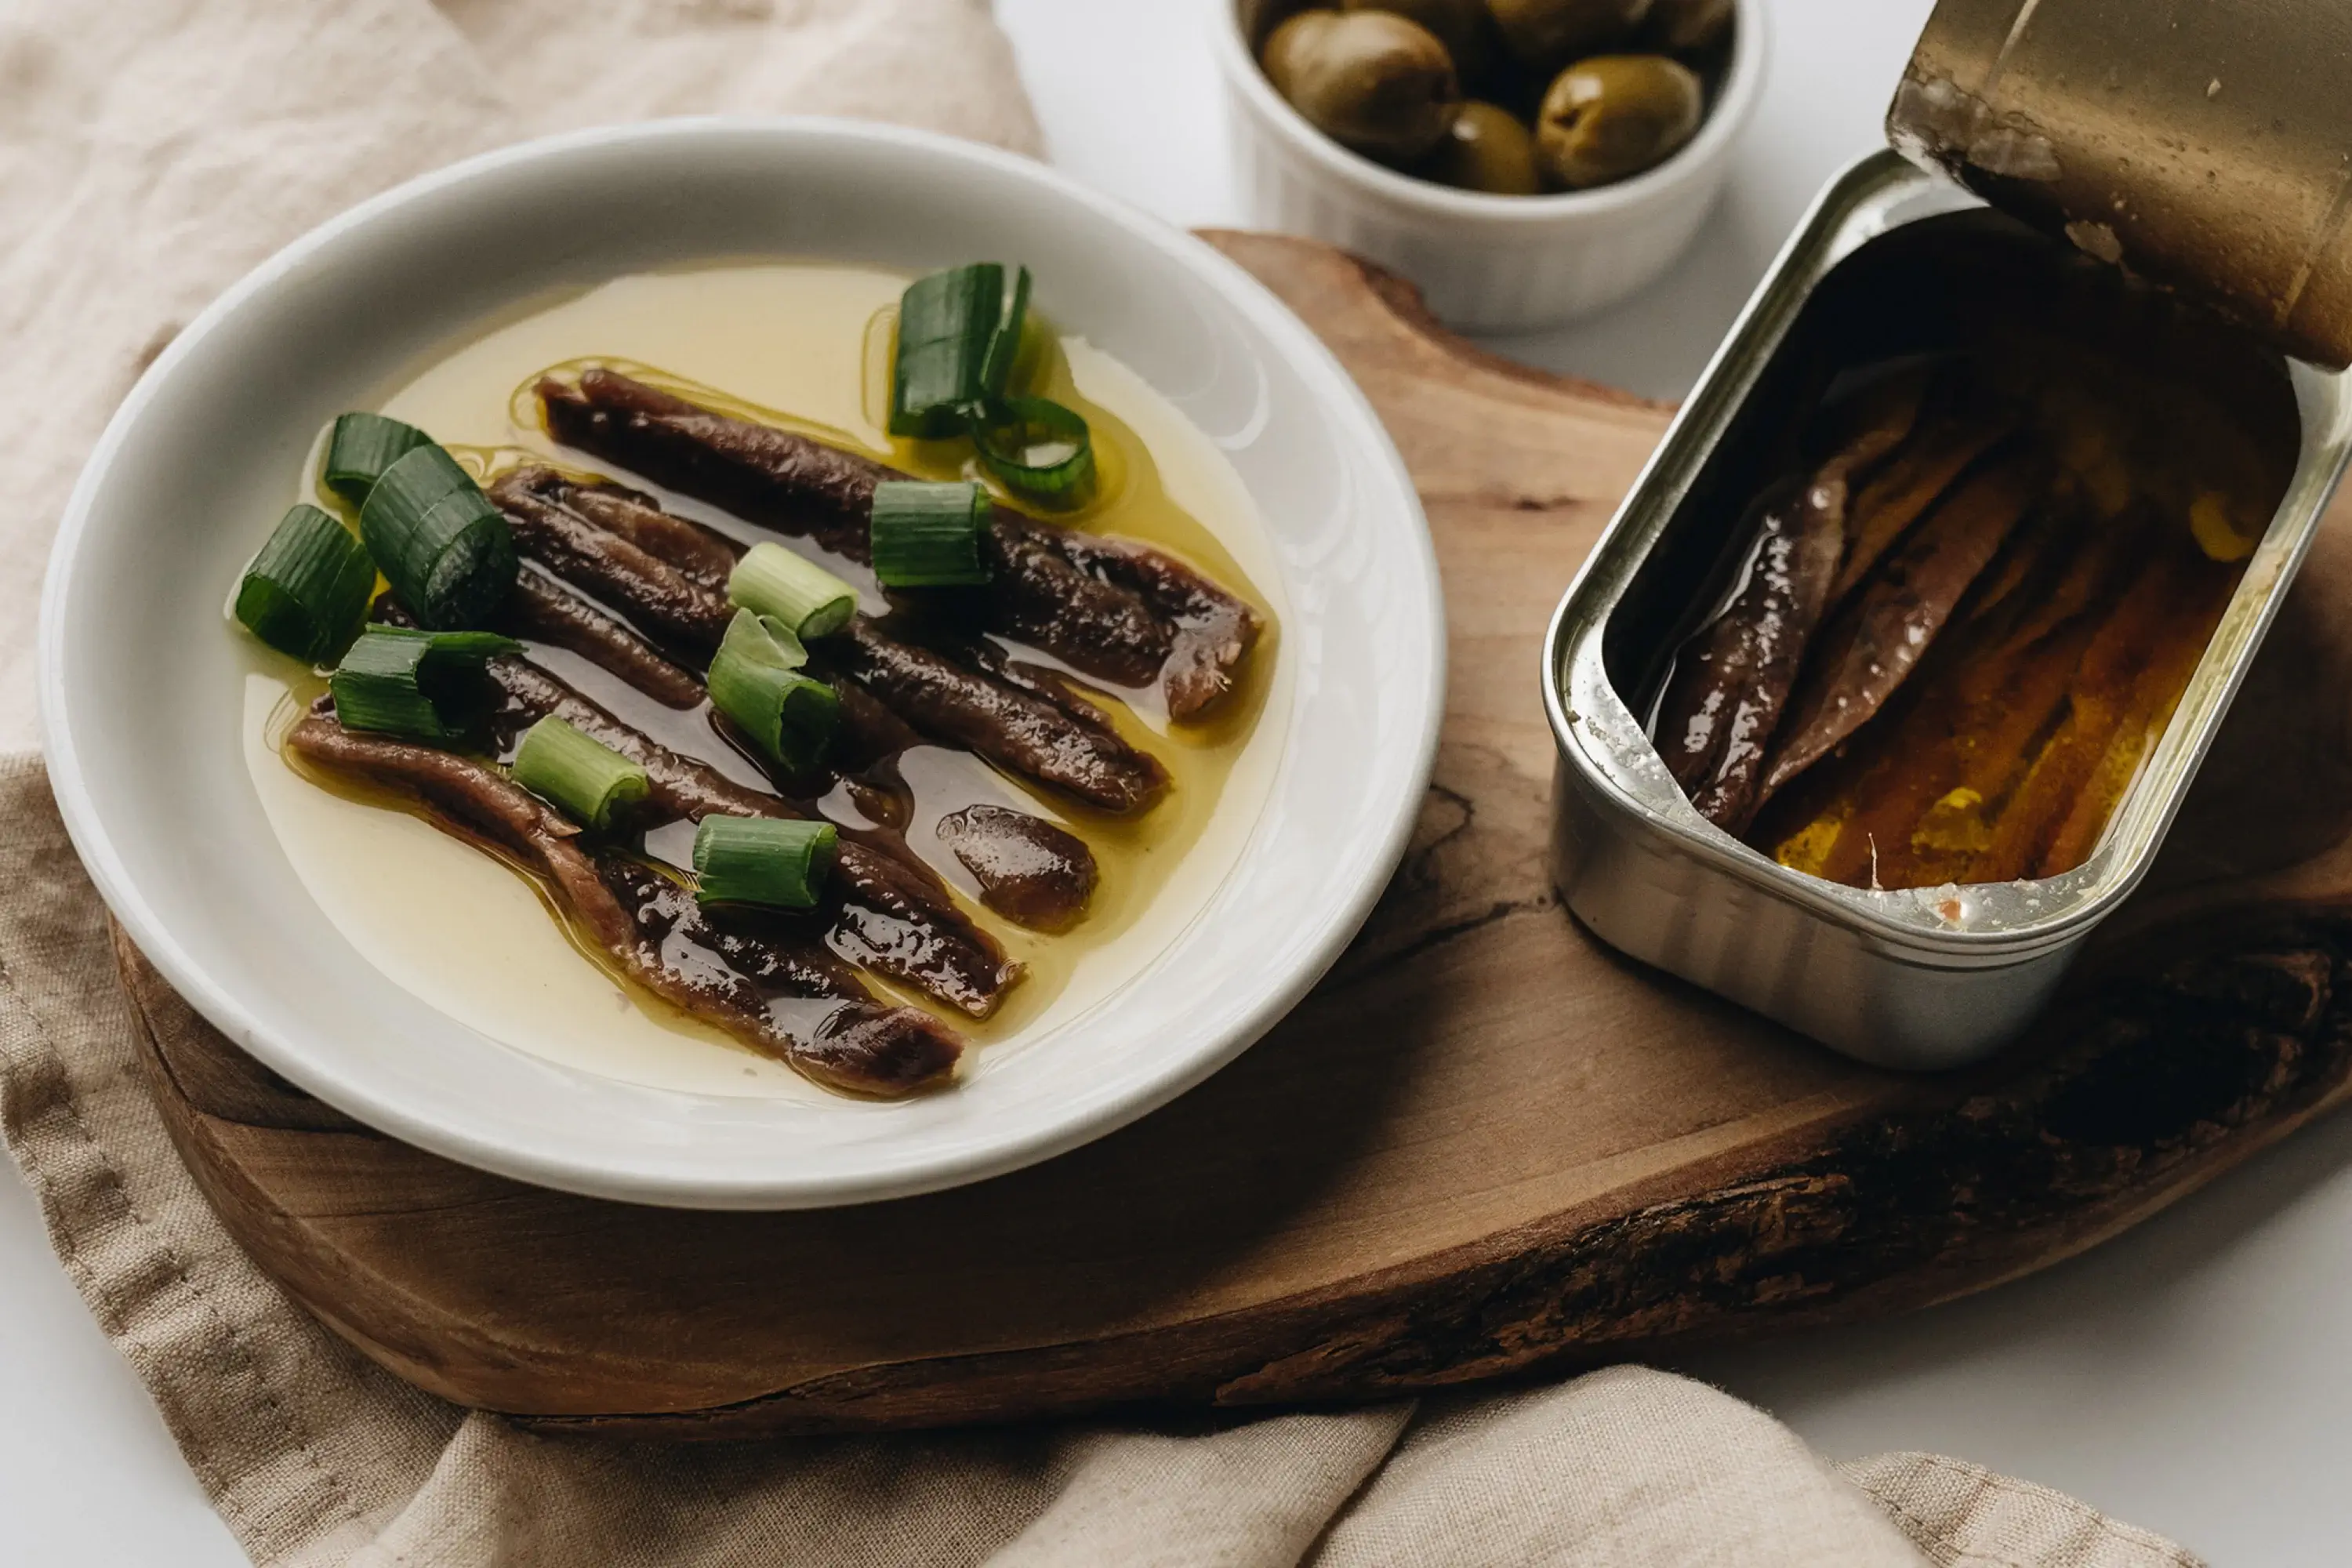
(2194, 1376)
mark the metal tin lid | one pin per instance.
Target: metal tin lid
(2206, 145)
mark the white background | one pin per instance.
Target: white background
(2194, 1377)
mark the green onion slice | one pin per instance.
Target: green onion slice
(762, 860)
(946, 324)
(361, 448)
(588, 781)
(809, 600)
(958, 340)
(927, 535)
(1042, 452)
(756, 681)
(422, 686)
(1004, 346)
(440, 542)
(307, 590)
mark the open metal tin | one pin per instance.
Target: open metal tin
(1921, 978)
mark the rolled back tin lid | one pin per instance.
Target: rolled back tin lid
(2205, 146)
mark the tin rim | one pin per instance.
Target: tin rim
(1898, 921)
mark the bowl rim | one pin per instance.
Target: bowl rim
(935, 1168)
(1743, 88)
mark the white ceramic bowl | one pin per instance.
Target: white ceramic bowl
(141, 676)
(1483, 263)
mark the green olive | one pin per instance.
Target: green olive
(1488, 149)
(1548, 34)
(1463, 27)
(1686, 27)
(1287, 44)
(1368, 79)
(1610, 118)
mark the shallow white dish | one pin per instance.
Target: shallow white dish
(142, 687)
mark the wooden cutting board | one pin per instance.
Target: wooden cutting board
(1486, 1146)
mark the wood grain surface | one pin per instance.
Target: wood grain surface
(1486, 1146)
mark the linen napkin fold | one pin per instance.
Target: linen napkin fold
(153, 150)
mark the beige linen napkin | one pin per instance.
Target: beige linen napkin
(149, 151)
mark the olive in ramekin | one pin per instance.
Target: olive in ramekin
(1504, 96)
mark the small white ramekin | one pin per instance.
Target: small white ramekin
(1483, 263)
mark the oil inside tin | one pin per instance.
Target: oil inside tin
(2148, 446)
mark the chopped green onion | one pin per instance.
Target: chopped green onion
(418, 478)
(1004, 346)
(927, 535)
(756, 681)
(424, 686)
(589, 781)
(764, 641)
(362, 447)
(440, 542)
(959, 339)
(307, 590)
(947, 323)
(762, 860)
(809, 600)
(1042, 451)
